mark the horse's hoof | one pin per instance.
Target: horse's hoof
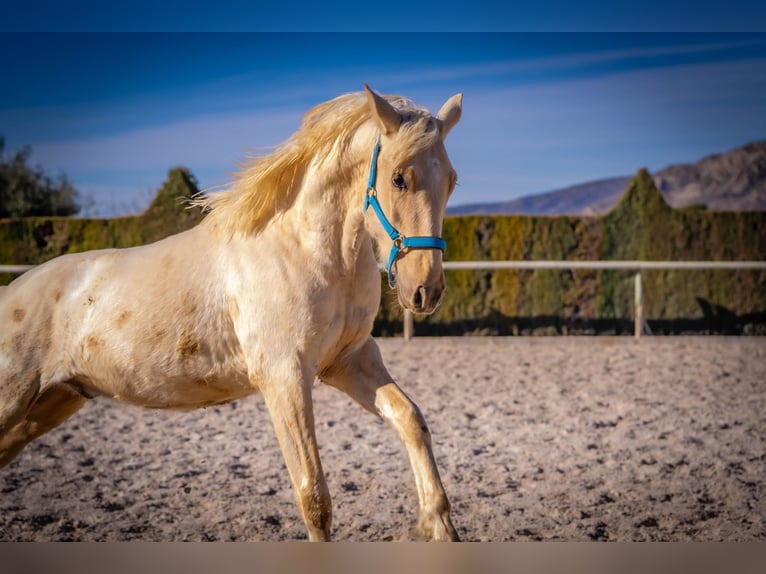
(438, 527)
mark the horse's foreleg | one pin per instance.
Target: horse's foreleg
(292, 414)
(51, 408)
(363, 376)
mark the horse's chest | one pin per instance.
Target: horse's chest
(345, 318)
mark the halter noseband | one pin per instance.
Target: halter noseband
(401, 242)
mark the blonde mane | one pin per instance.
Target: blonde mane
(269, 183)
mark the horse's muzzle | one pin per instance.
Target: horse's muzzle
(423, 299)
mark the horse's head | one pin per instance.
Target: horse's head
(411, 178)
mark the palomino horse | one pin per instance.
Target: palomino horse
(278, 286)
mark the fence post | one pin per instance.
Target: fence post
(639, 306)
(409, 326)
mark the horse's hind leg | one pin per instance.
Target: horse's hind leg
(49, 409)
(363, 376)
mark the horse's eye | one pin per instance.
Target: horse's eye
(398, 181)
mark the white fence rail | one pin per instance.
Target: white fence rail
(15, 268)
(636, 266)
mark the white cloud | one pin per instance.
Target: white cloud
(521, 67)
(202, 141)
(121, 171)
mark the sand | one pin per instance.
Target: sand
(562, 438)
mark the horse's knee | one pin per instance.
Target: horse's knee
(417, 423)
(407, 418)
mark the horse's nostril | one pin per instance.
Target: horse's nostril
(419, 298)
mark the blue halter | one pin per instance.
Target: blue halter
(401, 242)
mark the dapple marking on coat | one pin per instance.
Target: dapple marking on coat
(277, 287)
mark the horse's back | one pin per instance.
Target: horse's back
(66, 277)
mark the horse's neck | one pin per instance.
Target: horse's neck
(327, 218)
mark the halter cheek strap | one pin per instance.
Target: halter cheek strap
(402, 243)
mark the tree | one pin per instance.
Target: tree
(27, 191)
(169, 211)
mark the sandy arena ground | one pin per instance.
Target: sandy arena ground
(560, 438)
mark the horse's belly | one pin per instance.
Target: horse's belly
(163, 378)
(176, 392)
(192, 394)
(183, 354)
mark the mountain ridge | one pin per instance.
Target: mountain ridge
(734, 180)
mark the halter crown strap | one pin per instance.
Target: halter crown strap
(401, 242)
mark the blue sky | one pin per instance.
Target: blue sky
(115, 111)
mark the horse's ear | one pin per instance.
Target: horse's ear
(450, 113)
(388, 118)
